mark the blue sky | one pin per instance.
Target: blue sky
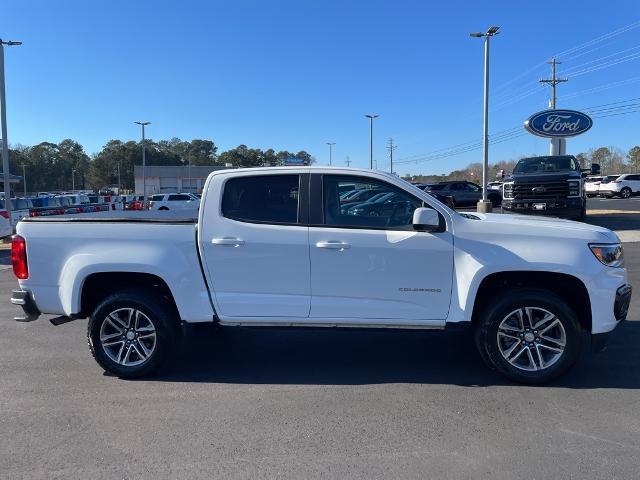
(296, 74)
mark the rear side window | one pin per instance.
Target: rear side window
(155, 198)
(179, 198)
(262, 199)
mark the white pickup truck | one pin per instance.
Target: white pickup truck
(278, 247)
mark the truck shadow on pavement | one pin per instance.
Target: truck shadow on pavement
(353, 357)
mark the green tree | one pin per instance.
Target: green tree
(633, 158)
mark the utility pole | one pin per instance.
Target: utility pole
(144, 164)
(119, 184)
(73, 180)
(331, 144)
(3, 119)
(371, 118)
(558, 146)
(391, 148)
(24, 179)
(347, 161)
(484, 205)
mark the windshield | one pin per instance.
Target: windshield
(546, 164)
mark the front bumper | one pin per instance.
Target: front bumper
(620, 310)
(563, 207)
(24, 299)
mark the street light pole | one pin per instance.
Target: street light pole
(3, 119)
(484, 205)
(144, 164)
(73, 180)
(331, 144)
(371, 118)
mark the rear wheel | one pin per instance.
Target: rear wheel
(163, 208)
(625, 192)
(528, 335)
(131, 333)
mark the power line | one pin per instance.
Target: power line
(577, 67)
(601, 88)
(598, 111)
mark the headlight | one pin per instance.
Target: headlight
(574, 188)
(507, 190)
(609, 254)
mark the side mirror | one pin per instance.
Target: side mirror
(500, 175)
(426, 219)
(595, 169)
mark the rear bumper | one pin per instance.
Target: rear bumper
(24, 299)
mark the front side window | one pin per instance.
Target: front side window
(155, 198)
(262, 199)
(393, 210)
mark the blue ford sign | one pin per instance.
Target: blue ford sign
(558, 123)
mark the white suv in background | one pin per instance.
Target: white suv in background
(592, 186)
(174, 201)
(624, 186)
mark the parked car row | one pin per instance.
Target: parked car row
(462, 194)
(623, 186)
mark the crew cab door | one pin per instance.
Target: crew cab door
(375, 268)
(254, 243)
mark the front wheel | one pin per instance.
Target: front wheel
(625, 192)
(131, 332)
(528, 335)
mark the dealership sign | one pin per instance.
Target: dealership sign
(558, 123)
(294, 161)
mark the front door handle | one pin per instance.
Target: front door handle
(228, 241)
(333, 245)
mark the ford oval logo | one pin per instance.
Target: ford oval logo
(539, 189)
(558, 123)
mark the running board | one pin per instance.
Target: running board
(61, 320)
(438, 326)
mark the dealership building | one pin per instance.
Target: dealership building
(167, 179)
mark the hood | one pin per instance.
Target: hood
(539, 226)
(544, 177)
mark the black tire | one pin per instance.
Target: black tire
(157, 311)
(163, 208)
(625, 192)
(486, 334)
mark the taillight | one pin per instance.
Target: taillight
(4, 214)
(34, 214)
(19, 257)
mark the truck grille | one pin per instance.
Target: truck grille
(540, 190)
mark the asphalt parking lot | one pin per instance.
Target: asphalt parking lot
(255, 403)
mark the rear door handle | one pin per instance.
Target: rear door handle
(228, 241)
(333, 245)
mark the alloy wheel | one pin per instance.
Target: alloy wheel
(531, 338)
(128, 337)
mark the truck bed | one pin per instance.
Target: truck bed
(64, 251)
(166, 217)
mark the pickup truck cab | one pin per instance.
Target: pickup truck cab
(272, 247)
